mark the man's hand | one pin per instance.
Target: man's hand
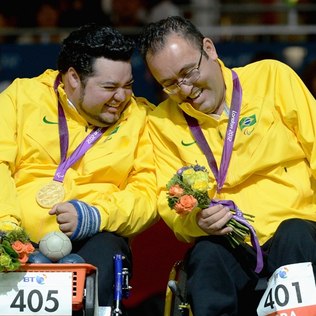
(213, 220)
(66, 217)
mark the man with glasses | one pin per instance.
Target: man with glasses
(188, 79)
(253, 128)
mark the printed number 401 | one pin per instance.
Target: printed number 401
(280, 295)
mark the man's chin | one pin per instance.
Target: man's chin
(109, 119)
(99, 122)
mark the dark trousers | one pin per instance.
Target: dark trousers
(221, 280)
(99, 251)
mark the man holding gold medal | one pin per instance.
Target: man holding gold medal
(75, 154)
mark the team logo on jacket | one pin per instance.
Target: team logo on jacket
(183, 143)
(246, 124)
(46, 121)
(112, 133)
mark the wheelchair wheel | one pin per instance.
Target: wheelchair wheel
(176, 295)
(90, 294)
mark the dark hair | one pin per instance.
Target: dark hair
(80, 49)
(153, 36)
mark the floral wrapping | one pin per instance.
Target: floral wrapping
(188, 190)
(15, 248)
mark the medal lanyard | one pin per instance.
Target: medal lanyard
(220, 174)
(66, 163)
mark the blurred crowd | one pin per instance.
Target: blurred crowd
(136, 13)
(37, 19)
(73, 13)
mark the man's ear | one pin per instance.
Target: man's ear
(209, 48)
(73, 78)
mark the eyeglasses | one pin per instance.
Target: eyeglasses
(188, 80)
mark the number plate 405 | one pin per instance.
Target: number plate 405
(36, 293)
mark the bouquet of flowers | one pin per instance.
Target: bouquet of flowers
(188, 190)
(15, 248)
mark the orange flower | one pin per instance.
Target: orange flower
(18, 246)
(28, 248)
(24, 257)
(185, 204)
(23, 250)
(176, 191)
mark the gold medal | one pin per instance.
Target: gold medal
(50, 194)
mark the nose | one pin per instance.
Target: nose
(185, 90)
(120, 95)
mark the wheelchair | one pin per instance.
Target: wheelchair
(176, 301)
(84, 284)
(121, 285)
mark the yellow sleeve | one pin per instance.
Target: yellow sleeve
(133, 207)
(9, 210)
(298, 107)
(162, 130)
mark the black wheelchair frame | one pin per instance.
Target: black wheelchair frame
(176, 302)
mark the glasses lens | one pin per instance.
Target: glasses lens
(191, 77)
(188, 80)
(173, 89)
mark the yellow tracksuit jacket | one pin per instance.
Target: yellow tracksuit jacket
(272, 169)
(116, 175)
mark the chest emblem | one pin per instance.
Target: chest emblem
(246, 124)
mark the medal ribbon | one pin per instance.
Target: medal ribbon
(85, 145)
(221, 173)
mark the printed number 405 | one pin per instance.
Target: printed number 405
(34, 301)
(280, 295)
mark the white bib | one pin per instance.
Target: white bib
(291, 291)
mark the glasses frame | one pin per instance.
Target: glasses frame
(175, 87)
